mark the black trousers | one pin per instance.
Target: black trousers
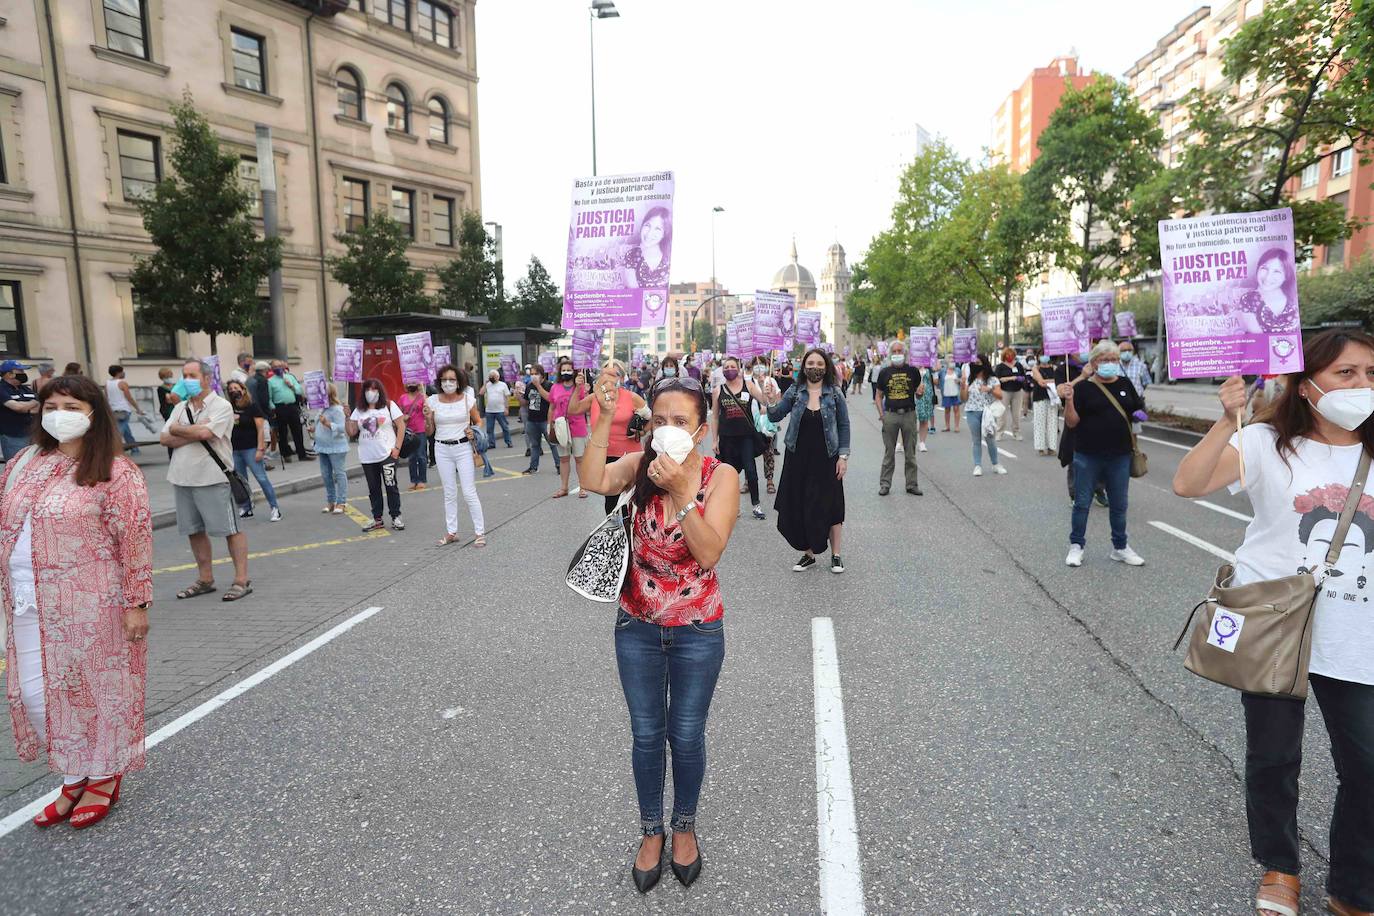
(1273, 759)
(288, 422)
(382, 475)
(738, 452)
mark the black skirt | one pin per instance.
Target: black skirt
(810, 497)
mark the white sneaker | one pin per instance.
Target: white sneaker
(1075, 557)
(1128, 556)
(999, 469)
(921, 447)
(275, 516)
(977, 470)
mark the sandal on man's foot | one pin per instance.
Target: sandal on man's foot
(237, 591)
(1278, 895)
(200, 588)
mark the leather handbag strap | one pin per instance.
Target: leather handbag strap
(1117, 404)
(1352, 502)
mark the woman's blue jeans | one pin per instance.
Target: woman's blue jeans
(419, 462)
(245, 460)
(335, 477)
(492, 420)
(975, 429)
(1115, 473)
(534, 438)
(669, 676)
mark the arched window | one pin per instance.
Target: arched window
(397, 108)
(438, 120)
(350, 93)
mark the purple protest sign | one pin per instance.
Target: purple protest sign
(348, 359)
(548, 361)
(965, 345)
(1097, 308)
(586, 349)
(882, 348)
(216, 380)
(708, 355)
(1064, 325)
(732, 339)
(1230, 294)
(809, 327)
(775, 319)
(637, 358)
(415, 353)
(1125, 324)
(744, 333)
(316, 394)
(443, 356)
(828, 347)
(923, 345)
(619, 252)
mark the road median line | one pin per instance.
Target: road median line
(1195, 541)
(841, 878)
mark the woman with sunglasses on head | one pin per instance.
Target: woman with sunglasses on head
(670, 632)
(810, 499)
(380, 428)
(76, 550)
(1300, 459)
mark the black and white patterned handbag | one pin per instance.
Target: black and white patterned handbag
(598, 568)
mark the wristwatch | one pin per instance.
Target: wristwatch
(683, 514)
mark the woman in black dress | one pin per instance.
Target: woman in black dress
(810, 501)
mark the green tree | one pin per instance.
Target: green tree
(1098, 147)
(1299, 77)
(703, 335)
(204, 275)
(1339, 295)
(378, 274)
(470, 282)
(537, 299)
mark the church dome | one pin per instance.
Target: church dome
(835, 249)
(795, 278)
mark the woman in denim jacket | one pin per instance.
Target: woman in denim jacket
(810, 502)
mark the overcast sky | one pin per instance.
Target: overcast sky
(796, 117)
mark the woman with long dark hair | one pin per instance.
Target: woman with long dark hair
(978, 391)
(76, 550)
(1301, 457)
(670, 632)
(810, 500)
(733, 406)
(452, 419)
(380, 428)
(646, 264)
(1272, 306)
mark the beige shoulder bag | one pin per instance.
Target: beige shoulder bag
(1258, 637)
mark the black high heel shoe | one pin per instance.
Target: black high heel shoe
(646, 879)
(687, 874)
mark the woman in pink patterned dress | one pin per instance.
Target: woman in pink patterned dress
(670, 631)
(76, 572)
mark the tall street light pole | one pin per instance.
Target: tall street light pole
(600, 9)
(714, 288)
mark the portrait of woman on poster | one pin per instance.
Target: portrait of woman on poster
(646, 265)
(1080, 323)
(1272, 306)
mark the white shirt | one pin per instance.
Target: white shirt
(498, 397)
(451, 421)
(376, 432)
(115, 395)
(22, 583)
(191, 464)
(1295, 517)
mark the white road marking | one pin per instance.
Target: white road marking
(1223, 510)
(841, 880)
(1186, 448)
(1213, 549)
(31, 810)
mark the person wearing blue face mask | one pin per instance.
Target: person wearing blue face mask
(1097, 408)
(1044, 412)
(1134, 370)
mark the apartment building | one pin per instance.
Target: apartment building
(372, 105)
(1025, 112)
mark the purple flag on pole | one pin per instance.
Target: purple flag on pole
(348, 359)
(1230, 294)
(619, 252)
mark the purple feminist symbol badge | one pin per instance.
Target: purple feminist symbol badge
(1224, 626)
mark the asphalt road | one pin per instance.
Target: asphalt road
(1021, 739)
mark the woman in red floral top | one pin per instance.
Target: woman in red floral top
(670, 629)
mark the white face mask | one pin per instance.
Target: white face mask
(1348, 408)
(898, 359)
(449, 386)
(372, 396)
(66, 425)
(675, 442)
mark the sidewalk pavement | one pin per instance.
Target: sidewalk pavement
(296, 477)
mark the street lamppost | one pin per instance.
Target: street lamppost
(600, 9)
(714, 287)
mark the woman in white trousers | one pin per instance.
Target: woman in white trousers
(1044, 413)
(450, 417)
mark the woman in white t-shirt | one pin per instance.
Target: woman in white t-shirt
(1300, 461)
(380, 428)
(451, 417)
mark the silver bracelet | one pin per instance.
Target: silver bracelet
(686, 510)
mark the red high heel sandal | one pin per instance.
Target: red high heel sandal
(90, 815)
(50, 817)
